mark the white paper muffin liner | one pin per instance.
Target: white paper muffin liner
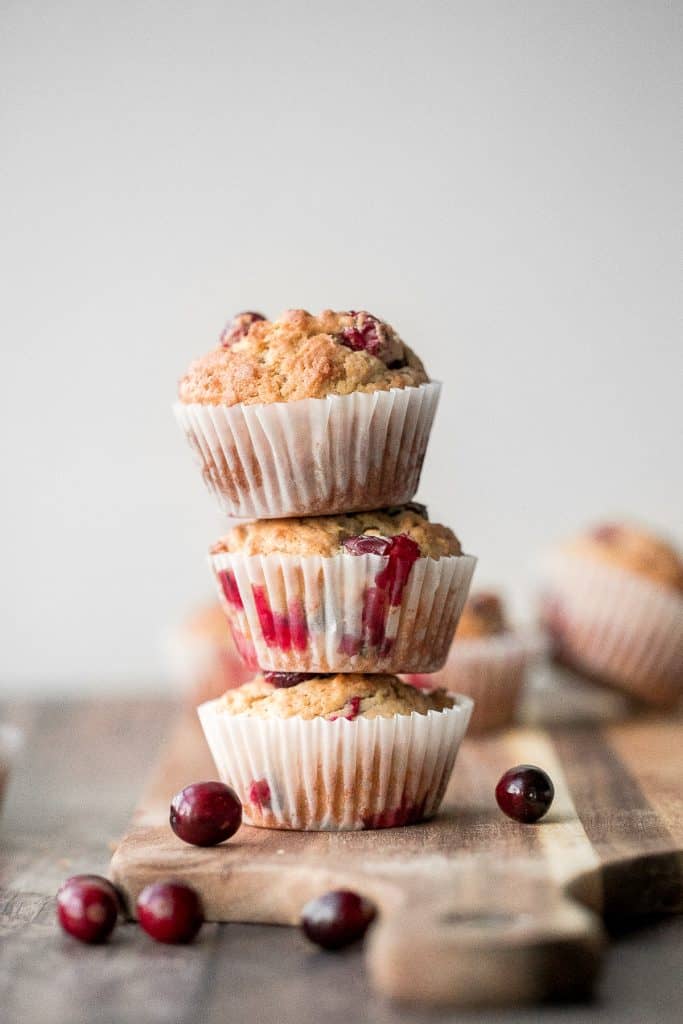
(316, 774)
(315, 456)
(615, 626)
(293, 613)
(492, 671)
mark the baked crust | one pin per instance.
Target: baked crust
(633, 549)
(339, 696)
(303, 356)
(325, 535)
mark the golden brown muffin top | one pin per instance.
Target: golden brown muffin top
(483, 615)
(301, 356)
(634, 549)
(331, 697)
(325, 535)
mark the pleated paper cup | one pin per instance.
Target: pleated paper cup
(492, 671)
(313, 775)
(615, 626)
(293, 613)
(315, 456)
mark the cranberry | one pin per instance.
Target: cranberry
(525, 793)
(366, 334)
(259, 793)
(367, 545)
(402, 553)
(170, 912)
(284, 679)
(87, 907)
(337, 918)
(238, 327)
(205, 813)
(230, 588)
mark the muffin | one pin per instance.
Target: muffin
(308, 415)
(204, 660)
(612, 603)
(367, 592)
(335, 752)
(487, 661)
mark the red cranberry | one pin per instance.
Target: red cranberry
(238, 327)
(284, 679)
(259, 793)
(230, 588)
(525, 793)
(367, 334)
(337, 918)
(170, 912)
(205, 813)
(87, 907)
(402, 553)
(367, 545)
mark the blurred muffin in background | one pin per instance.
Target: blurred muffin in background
(612, 603)
(204, 659)
(487, 661)
(10, 744)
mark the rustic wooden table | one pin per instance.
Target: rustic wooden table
(71, 796)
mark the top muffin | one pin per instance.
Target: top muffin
(633, 549)
(482, 616)
(330, 535)
(301, 356)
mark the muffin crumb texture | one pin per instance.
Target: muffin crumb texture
(339, 696)
(325, 535)
(633, 549)
(301, 356)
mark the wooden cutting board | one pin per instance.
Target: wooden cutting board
(474, 909)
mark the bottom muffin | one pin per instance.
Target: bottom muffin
(335, 752)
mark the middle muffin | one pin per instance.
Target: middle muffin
(372, 592)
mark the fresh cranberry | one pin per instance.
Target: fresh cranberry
(230, 588)
(366, 334)
(259, 793)
(238, 327)
(205, 813)
(402, 553)
(87, 907)
(170, 912)
(367, 545)
(337, 919)
(525, 793)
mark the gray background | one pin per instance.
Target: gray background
(499, 180)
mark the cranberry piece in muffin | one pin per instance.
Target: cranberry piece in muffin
(238, 327)
(285, 679)
(367, 545)
(366, 334)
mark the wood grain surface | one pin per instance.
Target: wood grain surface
(499, 913)
(70, 796)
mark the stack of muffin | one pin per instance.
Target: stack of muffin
(301, 426)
